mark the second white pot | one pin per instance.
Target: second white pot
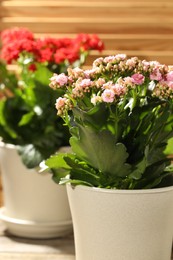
(34, 206)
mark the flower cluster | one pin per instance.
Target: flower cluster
(113, 78)
(52, 50)
(120, 116)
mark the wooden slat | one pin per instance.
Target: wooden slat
(165, 57)
(139, 42)
(98, 1)
(94, 25)
(127, 12)
(86, 9)
(86, 3)
(106, 20)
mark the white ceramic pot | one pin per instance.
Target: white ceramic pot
(122, 224)
(34, 206)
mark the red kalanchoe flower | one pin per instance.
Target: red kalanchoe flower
(9, 53)
(15, 34)
(32, 67)
(12, 50)
(70, 54)
(88, 42)
(51, 50)
(45, 55)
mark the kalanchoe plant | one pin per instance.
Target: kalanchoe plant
(27, 113)
(120, 116)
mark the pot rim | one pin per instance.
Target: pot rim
(7, 145)
(121, 191)
(13, 146)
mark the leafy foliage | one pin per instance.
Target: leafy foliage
(100, 160)
(28, 117)
(120, 128)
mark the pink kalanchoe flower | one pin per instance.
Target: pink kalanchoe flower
(91, 72)
(146, 65)
(98, 61)
(85, 83)
(108, 96)
(107, 85)
(121, 56)
(156, 74)
(138, 78)
(154, 63)
(100, 82)
(109, 59)
(170, 84)
(76, 72)
(118, 89)
(60, 102)
(58, 80)
(129, 81)
(169, 76)
(170, 68)
(114, 58)
(131, 62)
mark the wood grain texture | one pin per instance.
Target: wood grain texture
(139, 1)
(87, 9)
(136, 27)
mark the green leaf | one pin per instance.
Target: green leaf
(74, 182)
(58, 166)
(26, 118)
(139, 169)
(89, 144)
(95, 116)
(43, 74)
(169, 147)
(30, 156)
(84, 175)
(8, 80)
(81, 171)
(57, 161)
(153, 175)
(4, 123)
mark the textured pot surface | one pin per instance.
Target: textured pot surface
(31, 198)
(122, 224)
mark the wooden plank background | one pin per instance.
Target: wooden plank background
(135, 27)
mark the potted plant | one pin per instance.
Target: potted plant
(33, 205)
(119, 180)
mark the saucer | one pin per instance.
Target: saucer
(33, 229)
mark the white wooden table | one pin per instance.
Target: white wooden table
(15, 248)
